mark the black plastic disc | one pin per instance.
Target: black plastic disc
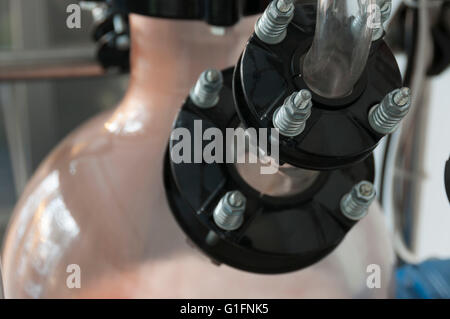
(338, 132)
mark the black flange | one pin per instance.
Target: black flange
(279, 234)
(290, 232)
(338, 132)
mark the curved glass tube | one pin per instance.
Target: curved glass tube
(341, 46)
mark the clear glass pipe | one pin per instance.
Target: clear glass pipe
(341, 46)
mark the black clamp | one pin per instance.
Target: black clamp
(292, 231)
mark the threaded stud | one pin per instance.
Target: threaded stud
(205, 93)
(290, 119)
(355, 204)
(271, 28)
(385, 117)
(229, 213)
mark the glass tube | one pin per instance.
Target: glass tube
(341, 46)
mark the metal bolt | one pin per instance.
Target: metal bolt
(355, 204)
(205, 93)
(290, 119)
(385, 12)
(229, 213)
(386, 116)
(271, 28)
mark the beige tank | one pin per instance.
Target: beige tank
(98, 200)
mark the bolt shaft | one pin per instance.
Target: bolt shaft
(229, 213)
(355, 204)
(385, 8)
(285, 5)
(290, 119)
(386, 116)
(271, 28)
(205, 93)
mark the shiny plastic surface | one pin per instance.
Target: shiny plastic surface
(340, 48)
(98, 201)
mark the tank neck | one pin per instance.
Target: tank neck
(167, 56)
